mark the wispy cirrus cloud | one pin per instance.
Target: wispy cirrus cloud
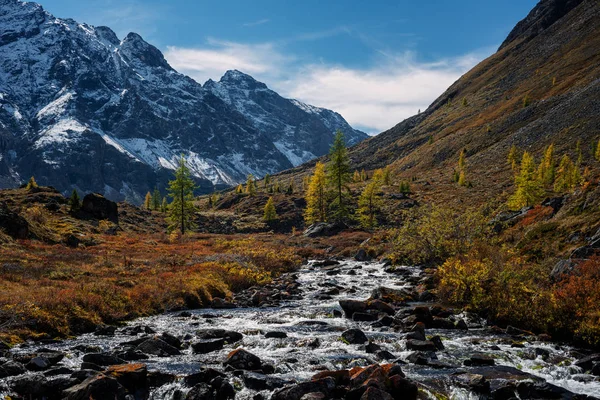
(393, 88)
(256, 23)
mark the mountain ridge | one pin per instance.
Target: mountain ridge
(80, 108)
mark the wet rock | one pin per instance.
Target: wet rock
(342, 377)
(201, 391)
(542, 390)
(219, 303)
(442, 323)
(372, 393)
(276, 335)
(207, 346)
(419, 358)
(159, 378)
(477, 360)
(362, 255)
(354, 336)
(11, 368)
(243, 359)
(32, 385)
(384, 355)
(587, 363)
(437, 341)
(295, 392)
(206, 375)
(58, 371)
(105, 330)
(158, 347)
(314, 396)
(131, 355)
(99, 387)
(257, 381)
(83, 374)
(461, 324)
(351, 306)
(391, 296)
(474, 382)
(420, 345)
(511, 330)
(102, 359)
(372, 348)
(402, 388)
(326, 263)
(381, 306)
(364, 317)
(133, 377)
(91, 366)
(38, 364)
(229, 336)
(171, 339)
(137, 330)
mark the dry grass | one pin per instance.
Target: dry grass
(52, 290)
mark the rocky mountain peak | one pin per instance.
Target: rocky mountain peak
(134, 46)
(241, 80)
(105, 33)
(543, 15)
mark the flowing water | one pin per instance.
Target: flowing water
(297, 357)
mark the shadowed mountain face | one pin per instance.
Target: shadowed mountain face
(81, 108)
(541, 87)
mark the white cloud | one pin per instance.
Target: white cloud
(259, 60)
(256, 23)
(376, 98)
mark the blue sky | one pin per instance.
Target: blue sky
(374, 62)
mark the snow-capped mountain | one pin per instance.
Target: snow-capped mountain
(81, 108)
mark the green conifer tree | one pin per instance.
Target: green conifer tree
(339, 176)
(528, 188)
(74, 201)
(369, 204)
(181, 190)
(270, 213)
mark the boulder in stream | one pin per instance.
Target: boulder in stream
(354, 336)
(243, 359)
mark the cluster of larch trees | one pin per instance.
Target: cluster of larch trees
(327, 194)
(533, 181)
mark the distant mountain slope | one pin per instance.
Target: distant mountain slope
(541, 87)
(81, 108)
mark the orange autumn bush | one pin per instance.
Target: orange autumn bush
(578, 298)
(57, 291)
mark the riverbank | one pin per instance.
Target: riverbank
(341, 329)
(54, 291)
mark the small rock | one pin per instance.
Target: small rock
(207, 346)
(354, 336)
(242, 359)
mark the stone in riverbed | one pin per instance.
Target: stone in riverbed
(352, 306)
(420, 345)
(354, 336)
(296, 392)
(158, 347)
(229, 336)
(373, 393)
(364, 317)
(276, 335)
(133, 377)
(477, 360)
(243, 359)
(207, 346)
(402, 388)
(102, 359)
(38, 363)
(11, 368)
(257, 381)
